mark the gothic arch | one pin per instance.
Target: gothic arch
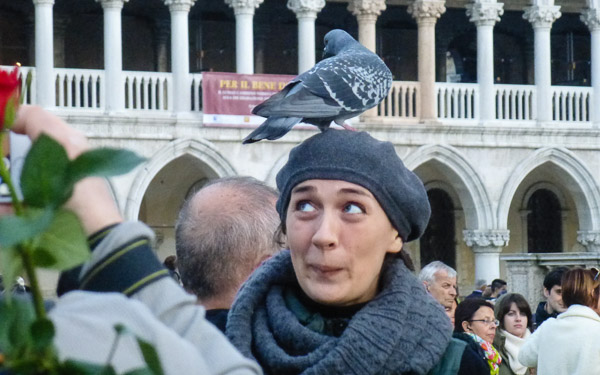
(200, 149)
(586, 195)
(473, 195)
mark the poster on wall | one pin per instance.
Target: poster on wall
(228, 98)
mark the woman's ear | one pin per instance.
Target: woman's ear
(396, 245)
(465, 326)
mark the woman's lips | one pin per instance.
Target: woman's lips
(325, 270)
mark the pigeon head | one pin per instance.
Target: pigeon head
(336, 41)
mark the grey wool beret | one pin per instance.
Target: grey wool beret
(358, 158)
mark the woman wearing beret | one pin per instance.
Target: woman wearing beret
(342, 300)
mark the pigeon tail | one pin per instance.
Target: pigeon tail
(273, 128)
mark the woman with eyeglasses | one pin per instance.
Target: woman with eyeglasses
(475, 324)
(514, 314)
(569, 344)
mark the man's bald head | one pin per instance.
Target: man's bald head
(222, 234)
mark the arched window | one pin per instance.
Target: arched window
(544, 222)
(439, 242)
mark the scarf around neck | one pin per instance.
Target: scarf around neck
(491, 354)
(512, 345)
(401, 330)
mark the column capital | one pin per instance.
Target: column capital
(486, 238)
(243, 6)
(590, 239)
(366, 7)
(429, 10)
(542, 16)
(487, 13)
(112, 3)
(306, 8)
(42, 2)
(591, 18)
(180, 5)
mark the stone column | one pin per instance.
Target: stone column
(590, 239)
(487, 246)
(180, 54)
(591, 17)
(244, 35)
(44, 53)
(366, 12)
(113, 55)
(541, 17)
(306, 13)
(426, 12)
(485, 15)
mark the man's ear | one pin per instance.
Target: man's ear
(546, 292)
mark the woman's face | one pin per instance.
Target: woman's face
(515, 321)
(482, 324)
(338, 236)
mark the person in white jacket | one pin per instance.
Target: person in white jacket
(568, 344)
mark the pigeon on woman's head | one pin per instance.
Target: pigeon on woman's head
(348, 81)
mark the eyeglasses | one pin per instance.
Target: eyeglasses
(495, 323)
(597, 271)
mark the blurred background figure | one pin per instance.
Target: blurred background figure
(475, 324)
(569, 344)
(439, 280)
(481, 285)
(498, 288)
(170, 263)
(514, 314)
(223, 233)
(553, 305)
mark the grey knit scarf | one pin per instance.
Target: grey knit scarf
(401, 331)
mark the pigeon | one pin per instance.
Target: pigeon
(349, 80)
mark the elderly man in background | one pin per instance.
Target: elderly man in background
(439, 280)
(222, 234)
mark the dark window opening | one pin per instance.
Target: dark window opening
(544, 223)
(439, 242)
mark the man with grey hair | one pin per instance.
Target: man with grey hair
(440, 281)
(223, 232)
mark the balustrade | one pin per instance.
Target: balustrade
(457, 101)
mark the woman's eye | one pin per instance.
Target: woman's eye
(352, 208)
(304, 207)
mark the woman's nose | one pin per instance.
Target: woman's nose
(325, 236)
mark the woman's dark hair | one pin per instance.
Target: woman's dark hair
(504, 303)
(466, 309)
(581, 287)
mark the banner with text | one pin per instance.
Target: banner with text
(228, 98)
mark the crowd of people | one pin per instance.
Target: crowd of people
(309, 279)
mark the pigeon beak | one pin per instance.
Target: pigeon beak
(326, 54)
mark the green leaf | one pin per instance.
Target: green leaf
(150, 356)
(74, 367)
(16, 229)
(10, 110)
(11, 265)
(102, 162)
(42, 333)
(140, 371)
(63, 245)
(16, 316)
(43, 178)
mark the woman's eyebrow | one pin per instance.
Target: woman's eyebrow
(354, 191)
(303, 189)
